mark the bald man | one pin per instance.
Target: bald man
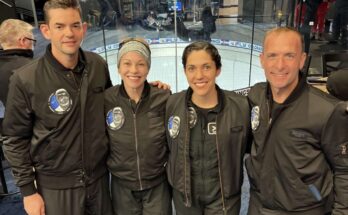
(299, 154)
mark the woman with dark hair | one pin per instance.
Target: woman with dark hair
(207, 130)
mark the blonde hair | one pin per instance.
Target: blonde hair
(13, 29)
(279, 30)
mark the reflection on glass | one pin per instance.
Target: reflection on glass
(168, 26)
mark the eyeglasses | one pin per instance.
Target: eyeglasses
(33, 40)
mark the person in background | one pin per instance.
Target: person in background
(299, 153)
(17, 42)
(104, 8)
(207, 134)
(54, 129)
(208, 21)
(107, 14)
(309, 19)
(340, 24)
(319, 17)
(135, 124)
(319, 24)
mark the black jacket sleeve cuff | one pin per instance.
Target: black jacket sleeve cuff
(28, 189)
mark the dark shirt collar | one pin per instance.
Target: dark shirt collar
(144, 95)
(19, 52)
(218, 108)
(301, 85)
(54, 62)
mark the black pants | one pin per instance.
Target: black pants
(206, 36)
(153, 201)
(340, 25)
(214, 207)
(91, 200)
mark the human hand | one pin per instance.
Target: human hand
(34, 204)
(160, 85)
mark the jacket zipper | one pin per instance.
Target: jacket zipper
(269, 115)
(136, 141)
(202, 147)
(73, 77)
(187, 204)
(219, 168)
(270, 121)
(83, 171)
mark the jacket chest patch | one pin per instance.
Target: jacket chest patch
(115, 118)
(60, 101)
(343, 150)
(255, 117)
(211, 128)
(173, 126)
(192, 114)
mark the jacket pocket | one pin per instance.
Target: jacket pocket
(292, 193)
(236, 129)
(315, 192)
(302, 135)
(98, 90)
(308, 190)
(232, 150)
(156, 120)
(236, 135)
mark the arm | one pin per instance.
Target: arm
(160, 85)
(108, 82)
(17, 131)
(335, 143)
(34, 204)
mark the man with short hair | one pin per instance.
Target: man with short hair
(299, 154)
(54, 125)
(17, 42)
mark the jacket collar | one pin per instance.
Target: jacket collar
(300, 87)
(53, 61)
(221, 100)
(144, 95)
(20, 52)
